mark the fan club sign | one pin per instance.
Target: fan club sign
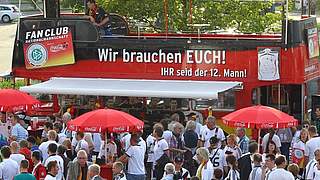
(48, 47)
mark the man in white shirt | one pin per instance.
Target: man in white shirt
(209, 131)
(275, 138)
(314, 143)
(216, 154)
(8, 167)
(280, 173)
(97, 143)
(61, 135)
(15, 155)
(82, 144)
(135, 158)
(309, 171)
(52, 150)
(269, 166)
(53, 170)
(108, 150)
(52, 136)
(125, 140)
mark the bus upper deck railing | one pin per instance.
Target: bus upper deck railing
(84, 31)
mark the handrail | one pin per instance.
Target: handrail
(190, 36)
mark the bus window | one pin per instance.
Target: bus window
(225, 101)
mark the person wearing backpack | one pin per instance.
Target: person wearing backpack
(190, 137)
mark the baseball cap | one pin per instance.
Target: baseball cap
(214, 140)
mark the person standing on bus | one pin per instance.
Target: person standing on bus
(98, 17)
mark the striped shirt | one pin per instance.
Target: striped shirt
(19, 132)
(233, 175)
(256, 173)
(309, 171)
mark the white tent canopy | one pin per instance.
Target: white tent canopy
(131, 87)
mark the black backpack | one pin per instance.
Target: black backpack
(190, 139)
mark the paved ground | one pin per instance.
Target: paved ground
(8, 33)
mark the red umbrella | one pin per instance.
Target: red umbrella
(259, 117)
(105, 120)
(12, 100)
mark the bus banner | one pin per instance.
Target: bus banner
(48, 47)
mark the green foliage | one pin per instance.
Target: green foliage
(5, 84)
(247, 17)
(76, 5)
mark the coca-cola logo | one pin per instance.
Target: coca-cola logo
(18, 108)
(239, 124)
(119, 129)
(267, 125)
(59, 47)
(291, 124)
(90, 129)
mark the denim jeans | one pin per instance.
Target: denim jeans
(136, 176)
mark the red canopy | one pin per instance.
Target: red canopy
(12, 100)
(260, 117)
(106, 120)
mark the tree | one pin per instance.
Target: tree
(243, 16)
(7, 83)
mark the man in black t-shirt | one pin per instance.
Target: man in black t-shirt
(98, 17)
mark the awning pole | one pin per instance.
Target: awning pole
(279, 98)
(302, 103)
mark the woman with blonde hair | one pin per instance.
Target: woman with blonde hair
(232, 147)
(299, 154)
(67, 144)
(294, 169)
(88, 137)
(205, 170)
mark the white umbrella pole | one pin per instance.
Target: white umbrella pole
(259, 140)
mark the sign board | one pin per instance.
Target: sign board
(206, 64)
(268, 64)
(48, 47)
(313, 43)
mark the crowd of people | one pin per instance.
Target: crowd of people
(175, 150)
